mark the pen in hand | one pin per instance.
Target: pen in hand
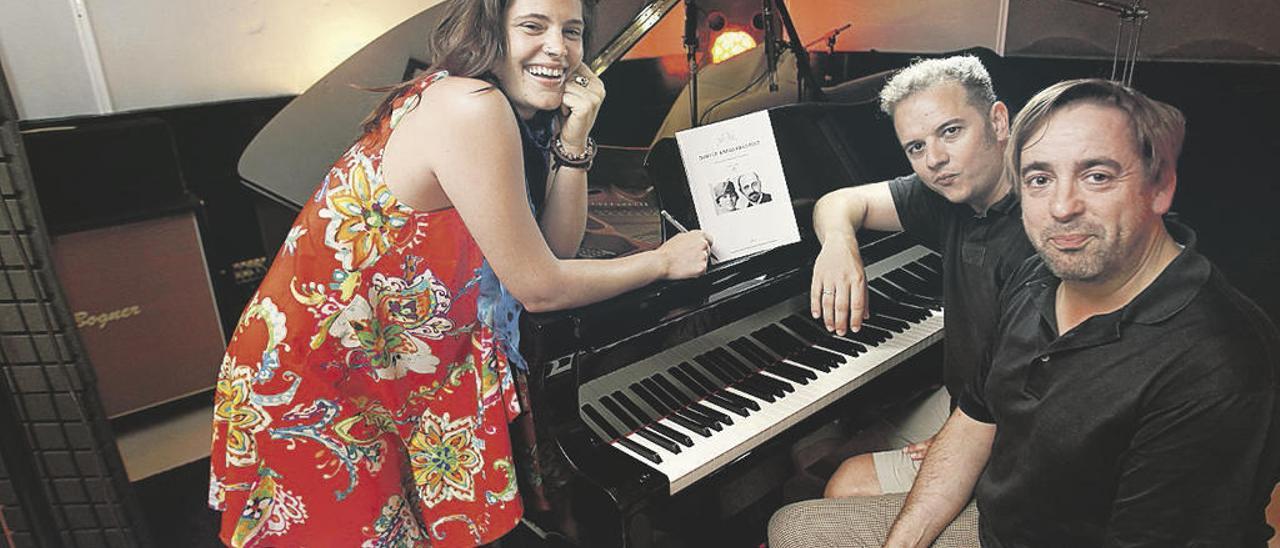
(667, 216)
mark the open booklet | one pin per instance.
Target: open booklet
(739, 191)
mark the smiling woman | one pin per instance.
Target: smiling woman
(367, 392)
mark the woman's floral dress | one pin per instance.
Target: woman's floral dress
(365, 397)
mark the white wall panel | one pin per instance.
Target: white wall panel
(168, 52)
(41, 54)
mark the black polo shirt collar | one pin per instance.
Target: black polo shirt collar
(1168, 294)
(1004, 206)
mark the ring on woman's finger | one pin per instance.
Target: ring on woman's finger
(828, 292)
(581, 80)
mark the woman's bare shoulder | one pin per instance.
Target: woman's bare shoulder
(463, 100)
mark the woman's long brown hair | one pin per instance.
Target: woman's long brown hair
(469, 41)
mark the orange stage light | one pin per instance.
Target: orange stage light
(729, 44)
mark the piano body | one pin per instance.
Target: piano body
(674, 404)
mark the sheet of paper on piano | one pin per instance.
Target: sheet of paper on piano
(739, 191)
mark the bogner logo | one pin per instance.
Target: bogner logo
(85, 320)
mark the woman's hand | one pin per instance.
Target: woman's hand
(686, 255)
(581, 104)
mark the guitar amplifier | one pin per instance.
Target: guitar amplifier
(141, 298)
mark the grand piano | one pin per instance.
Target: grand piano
(667, 415)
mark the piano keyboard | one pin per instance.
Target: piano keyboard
(694, 408)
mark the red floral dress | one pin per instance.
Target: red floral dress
(363, 400)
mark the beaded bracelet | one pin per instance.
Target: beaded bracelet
(562, 157)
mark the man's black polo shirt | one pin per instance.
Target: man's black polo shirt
(1153, 425)
(979, 253)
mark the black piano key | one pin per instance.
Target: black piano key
(671, 402)
(907, 281)
(869, 337)
(661, 407)
(712, 413)
(600, 421)
(807, 372)
(885, 322)
(689, 383)
(716, 369)
(644, 416)
(723, 401)
(870, 333)
(819, 358)
(658, 440)
(925, 279)
(672, 433)
(752, 377)
(750, 386)
(780, 342)
(732, 363)
(844, 346)
(675, 414)
(745, 402)
(884, 305)
(683, 419)
(903, 296)
(752, 352)
(778, 387)
(923, 272)
(811, 333)
(691, 414)
(697, 376)
(753, 380)
(671, 389)
(820, 367)
(817, 365)
(641, 450)
(921, 268)
(657, 403)
(619, 413)
(790, 372)
(780, 346)
(934, 278)
(693, 386)
(772, 342)
(774, 386)
(653, 401)
(933, 261)
(928, 270)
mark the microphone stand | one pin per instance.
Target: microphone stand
(691, 49)
(770, 45)
(1133, 14)
(803, 68)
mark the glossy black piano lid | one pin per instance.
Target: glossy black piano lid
(290, 156)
